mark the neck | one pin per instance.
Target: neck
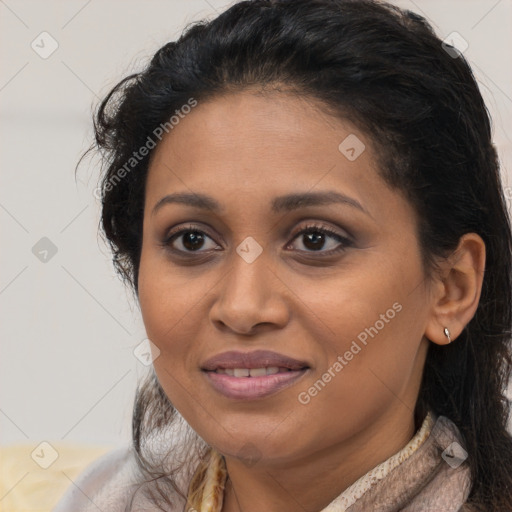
(311, 483)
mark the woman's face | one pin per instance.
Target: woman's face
(283, 238)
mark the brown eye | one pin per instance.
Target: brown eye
(192, 240)
(189, 239)
(319, 238)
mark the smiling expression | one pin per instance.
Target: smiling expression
(260, 234)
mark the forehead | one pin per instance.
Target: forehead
(262, 145)
(282, 123)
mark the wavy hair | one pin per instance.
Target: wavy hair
(385, 70)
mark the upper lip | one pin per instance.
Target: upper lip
(255, 359)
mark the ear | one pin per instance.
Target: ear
(456, 292)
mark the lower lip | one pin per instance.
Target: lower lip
(252, 388)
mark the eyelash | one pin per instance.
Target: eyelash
(310, 228)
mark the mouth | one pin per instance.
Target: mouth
(255, 362)
(252, 375)
(251, 387)
(254, 372)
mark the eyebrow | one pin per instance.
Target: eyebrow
(279, 204)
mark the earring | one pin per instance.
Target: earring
(447, 334)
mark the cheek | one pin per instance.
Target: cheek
(161, 305)
(161, 296)
(173, 311)
(368, 370)
(370, 328)
(163, 313)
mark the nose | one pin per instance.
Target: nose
(250, 298)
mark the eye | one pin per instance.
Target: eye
(315, 238)
(189, 239)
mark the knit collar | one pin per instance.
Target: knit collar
(214, 480)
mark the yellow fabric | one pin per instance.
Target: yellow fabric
(26, 487)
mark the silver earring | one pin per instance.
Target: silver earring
(447, 334)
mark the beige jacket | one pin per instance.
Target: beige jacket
(434, 478)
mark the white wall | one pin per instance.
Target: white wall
(67, 371)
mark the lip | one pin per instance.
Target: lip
(252, 388)
(254, 359)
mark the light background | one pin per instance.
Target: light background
(68, 327)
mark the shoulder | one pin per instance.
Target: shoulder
(103, 484)
(115, 483)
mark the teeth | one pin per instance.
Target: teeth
(258, 372)
(253, 372)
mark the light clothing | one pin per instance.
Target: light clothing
(428, 474)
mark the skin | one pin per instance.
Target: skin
(244, 149)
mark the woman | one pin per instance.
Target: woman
(305, 198)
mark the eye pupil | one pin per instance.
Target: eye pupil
(313, 239)
(193, 240)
